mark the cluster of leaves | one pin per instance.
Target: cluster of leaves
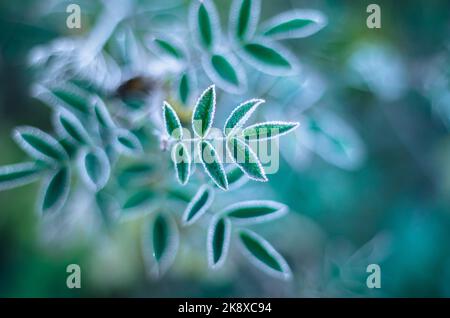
(95, 129)
(163, 234)
(90, 141)
(86, 139)
(240, 151)
(258, 46)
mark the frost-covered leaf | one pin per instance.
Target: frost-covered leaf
(186, 87)
(211, 162)
(268, 130)
(225, 71)
(294, 24)
(127, 142)
(160, 242)
(39, 144)
(269, 57)
(205, 24)
(218, 241)
(236, 177)
(203, 114)
(246, 159)
(69, 126)
(55, 191)
(138, 200)
(169, 48)
(199, 204)
(16, 175)
(95, 168)
(240, 115)
(251, 212)
(262, 254)
(102, 114)
(172, 122)
(244, 16)
(182, 162)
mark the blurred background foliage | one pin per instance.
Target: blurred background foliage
(385, 200)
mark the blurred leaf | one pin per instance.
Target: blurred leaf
(186, 87)
(68, 125)
(219, 234)
(127, 142)
(169, 48)
(295, 24)
(135, 174)
(19, 174)
(251, 212)
(205, 23)
(199, 204)
(138, 199)
(269, 57)
(263, 255)
(226, 72)
(55, 191)
(39, 144)
(244, 16)
(102, 114)
(95, 168)
(160, 244)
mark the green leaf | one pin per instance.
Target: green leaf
(251, 212)
(262, 254)
(246, 159)
(16, 175)
(55, 191)
(127, 142)
(205, 24)
(160, 242)
(211, 163)
(172, 122)
(294, 24)
(182, 162)
(226, 72)
(218, 242)
(102, 114)
(39, 144)
(244, 16)
(139, 200)
(169, 48)
(95, 168)
(203, 114)
(269, 57)
(69, 96)
(240, 115)
(186, 87)
(69, 126)
(135, 174)
(268, 130)
(199, 204)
